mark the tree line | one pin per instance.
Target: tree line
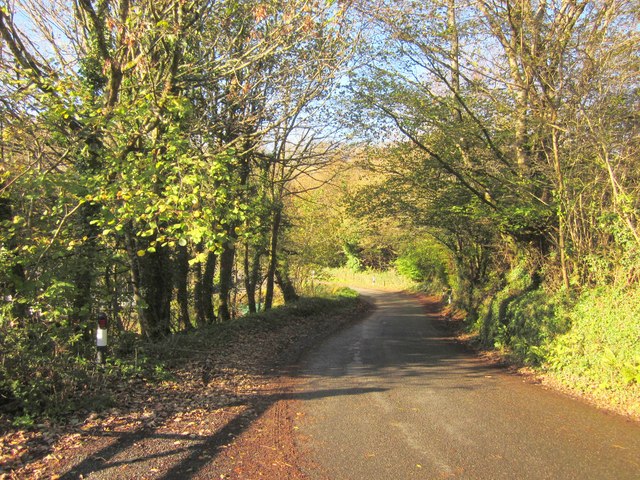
(154, 155)
(145, 144)
(148, 149)
(506, 136)
(518, 133)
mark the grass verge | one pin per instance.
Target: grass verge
(252, 342)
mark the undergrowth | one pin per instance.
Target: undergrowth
(589, 344)
(600, 353)
(178, 348)
(42, 379)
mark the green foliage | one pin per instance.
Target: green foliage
(521, 318)
(122, 178)
(601, 352)
(317, 228)
(526, 221)
(590, 344)
(106, 169)
(345, 292)
(41, 367)
(426, 263)
(45, 370)
(48, 369)
(23, 421)
(528, 323)
(351, 252)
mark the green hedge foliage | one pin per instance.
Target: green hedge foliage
(590, 343)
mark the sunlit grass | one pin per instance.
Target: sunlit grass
(384, 280)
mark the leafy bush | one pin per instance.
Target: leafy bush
(425, 263)
(531, 322)
(601, 351)
(41, 370)
(501, 323)
(47, 368)
(351, 252)
(345, 292)
(591, 344)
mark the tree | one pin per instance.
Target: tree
(157, 116)
(492, 93)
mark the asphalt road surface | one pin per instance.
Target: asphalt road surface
(395, 398)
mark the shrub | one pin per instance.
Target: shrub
(601, 351)
(591, 344)
(425, 263)
(41, 370)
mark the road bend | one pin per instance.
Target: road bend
(394, 397)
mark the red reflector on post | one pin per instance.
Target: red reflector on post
(102, 321)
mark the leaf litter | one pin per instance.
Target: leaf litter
(210, 393)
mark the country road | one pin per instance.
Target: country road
(401, 400)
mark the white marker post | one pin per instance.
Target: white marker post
(101, 338)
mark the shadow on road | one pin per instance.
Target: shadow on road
(405, 342)
(191, 452)
(415, 352)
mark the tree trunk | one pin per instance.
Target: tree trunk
(207, 288)
(521, 77)
(251, 276)
(158, 292)
(204, 291)
(228, 255)
(455, 54)
(152, 287)
(113, 289)
(273, 258)
(84, 261)
(562, 214)
(286, 286)
(182, 287)
(17, 273)
(227, 259)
